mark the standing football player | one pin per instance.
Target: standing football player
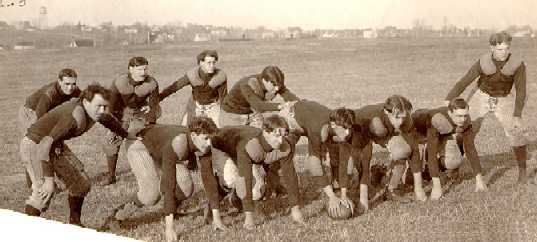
(497, 72)
(209, 87)
(439, 129)
(135, 101)
(45, 154)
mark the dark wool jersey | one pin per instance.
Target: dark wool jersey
(128, 93)
(167, 145)
(246, 146)
(496, 78)
(206, 88)
(48, 97)
(248, 95)
(435, 124)
(65, 122)
(379, 129)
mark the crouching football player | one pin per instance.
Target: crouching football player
(44, 153)
(248, 146)
(353, 144)
(251, 96)
(389, 124)
(171, 149)
(440, 128)
(307, 118)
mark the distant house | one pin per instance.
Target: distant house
(268, 35)
(24, 45)
(370, 34)
(75, 43)
(202, 37)
(293, 33)
(522, 33)
(329, 35)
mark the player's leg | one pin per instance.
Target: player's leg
(145, 172)
(71, 171)
(35, 204)
(516, 132)
(111, 150)
(26, 118)
(400, 151)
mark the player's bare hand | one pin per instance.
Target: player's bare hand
(169, 230)
(219, 226)
(249, 221)
(296, 215)
(333, 204)
(145, 109)
(47, 188)
(171, 235)
(480, 184)
(348, 203)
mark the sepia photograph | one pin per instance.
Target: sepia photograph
(241, 120)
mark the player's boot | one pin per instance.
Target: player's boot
(75, 209)
(31, 211)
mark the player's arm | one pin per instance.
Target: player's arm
(432, 151)
(154, 107)
(287, 95)
(116, 107)
(174, 87)
(520, 88)
(466, 80)
(113, 124)
(168, 185)
(43, 106)
(247, 153)
(210, 185)
(255, 101)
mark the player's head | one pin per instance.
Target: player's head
(458, 111)
(273, 79)
(398, 110)
(341, 122)
(274, 129)
(67, 81)
(138, 67)
(207, 60)
(95, 99)
(201, 130)
(500, 44)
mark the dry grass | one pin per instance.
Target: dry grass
(336, 73)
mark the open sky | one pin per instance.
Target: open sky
(309, 14)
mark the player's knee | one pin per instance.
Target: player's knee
(258, 188)
(314, 165)
(184, 180)
(81, 188)
(399, 148)
(149, 197)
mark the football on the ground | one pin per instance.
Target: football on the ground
(343, 211)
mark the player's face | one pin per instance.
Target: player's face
(271, 89)
(201, 141)
(208, 64)
(97, 107)
(138, 73)
(68, 85)
(459, 116)
(275, 138)
(396, 118)
(500, 52)
(340, 132)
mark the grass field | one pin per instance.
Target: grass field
(337, 73)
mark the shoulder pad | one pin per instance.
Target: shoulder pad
(193, 77)
(218, 79)
(123, 86)
(255, 150)
(180, 146)
(441, 123)
(325, 132)
(51, 91)
(377, 128)
(146, 88)
(79, 115)
(487, 65)
(254, 84)
(511, 66)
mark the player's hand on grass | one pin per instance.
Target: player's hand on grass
(145, 109)
(47, 188)
(217, 221)
(436, 192)
(296, 215)
(480, 184)
(171, 235)
(248, 221)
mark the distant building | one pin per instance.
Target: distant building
(202, 37)
(76, 43)
(370, 34)
(293, 33)
(24, 45)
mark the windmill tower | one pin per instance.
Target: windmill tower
(43, 19)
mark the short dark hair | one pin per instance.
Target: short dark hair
(138, 61)
(201, 56)
(501, 37)
(273, 122)
(397, 102)
(93, 89)
(274, 75)
(457, 103)
(202, 125)
(343, 117)
(67, 73)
